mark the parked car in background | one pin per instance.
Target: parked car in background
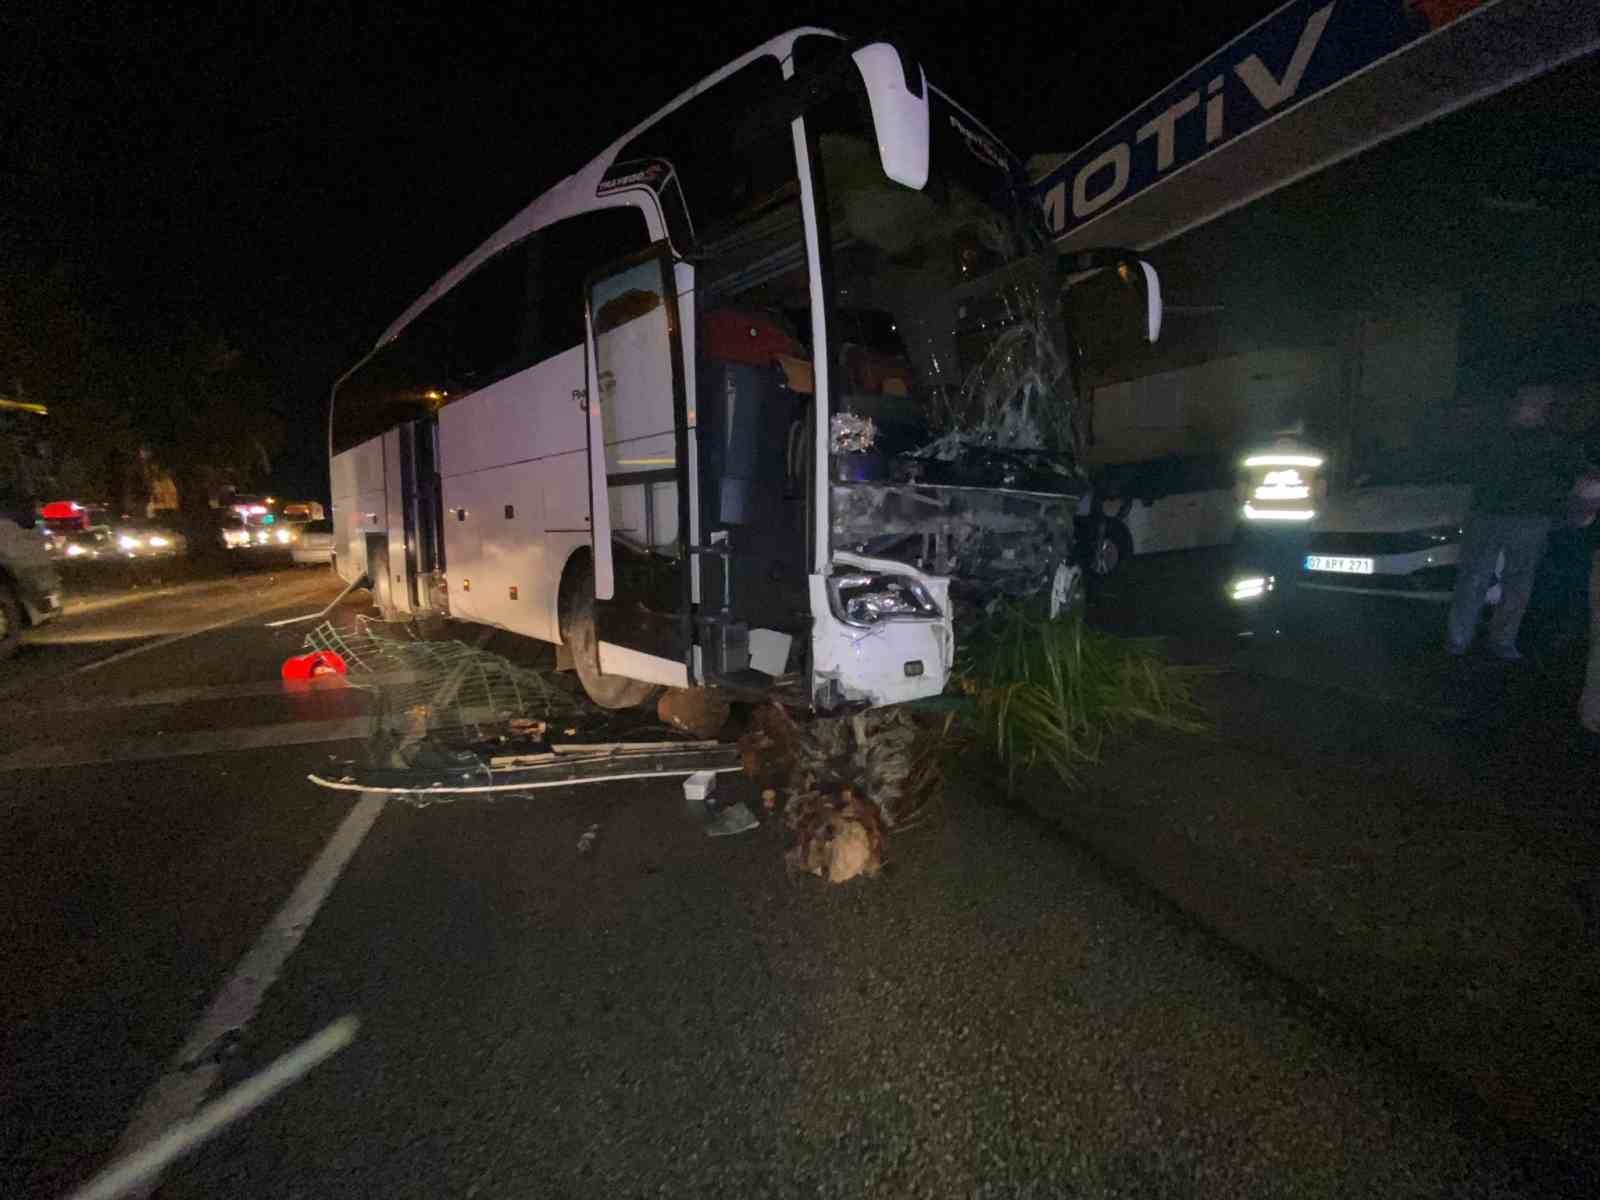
(301, 510)
(84, 545)
(30, 585)
(314, 543)
(137, 538)
(257, 532)
(1396, 533)
(1172, 503)
(62, 524)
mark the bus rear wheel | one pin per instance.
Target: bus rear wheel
(578, 631)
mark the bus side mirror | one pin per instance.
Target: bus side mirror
(1112, 304)
(897, 92)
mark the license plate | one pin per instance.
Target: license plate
(1342, 566)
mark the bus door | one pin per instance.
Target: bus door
(639, 471)
(411, 551)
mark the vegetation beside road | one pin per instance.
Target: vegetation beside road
(1050, 691)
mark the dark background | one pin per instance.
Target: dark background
(294, 176)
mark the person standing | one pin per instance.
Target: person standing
(1523, 481)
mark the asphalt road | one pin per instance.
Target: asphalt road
(1000, 1014)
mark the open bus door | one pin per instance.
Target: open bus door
(639, 471)
(402, 559)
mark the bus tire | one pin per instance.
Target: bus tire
(578, 632)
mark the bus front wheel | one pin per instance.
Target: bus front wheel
(579, 633)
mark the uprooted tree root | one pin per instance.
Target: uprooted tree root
(846, 782)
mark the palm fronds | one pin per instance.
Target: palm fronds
(1049, 692)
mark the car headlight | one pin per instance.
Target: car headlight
(74, 550)
(159, 542)
(128, 542)
(285, 537)
(866, 599)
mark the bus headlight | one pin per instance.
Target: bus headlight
(862, 598)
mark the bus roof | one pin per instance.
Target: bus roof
(576, 193)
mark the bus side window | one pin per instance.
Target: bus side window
(401, 381)
(566, 254)
(487, 340)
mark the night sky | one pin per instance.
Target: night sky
(294, 177)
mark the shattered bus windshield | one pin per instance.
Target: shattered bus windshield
(944, 340)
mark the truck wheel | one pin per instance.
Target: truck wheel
(11, 622)
(578, 632)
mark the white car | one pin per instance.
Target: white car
(30, 585)
(1395, 540)
(1168, 504)
(313, 543)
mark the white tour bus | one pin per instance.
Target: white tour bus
(749, 401)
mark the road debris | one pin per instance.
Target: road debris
(836, 835)
(845, 781)
(452, 720)
(698, 788)
(313, 665)
(735, 818)
(443, 689)
(562, 766)
(699, 711)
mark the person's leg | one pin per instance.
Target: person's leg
(1589, 706)
(1480, 546)
(1524, 539)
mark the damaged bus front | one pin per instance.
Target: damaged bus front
(950, 446)
(759, 399)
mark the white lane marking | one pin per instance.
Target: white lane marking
(175, 1096)
(150, 747)
(159, 643)
(140, 1171)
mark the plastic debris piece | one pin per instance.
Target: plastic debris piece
(736, 818)
(313, 665)
(587, 840)
(700, 785)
